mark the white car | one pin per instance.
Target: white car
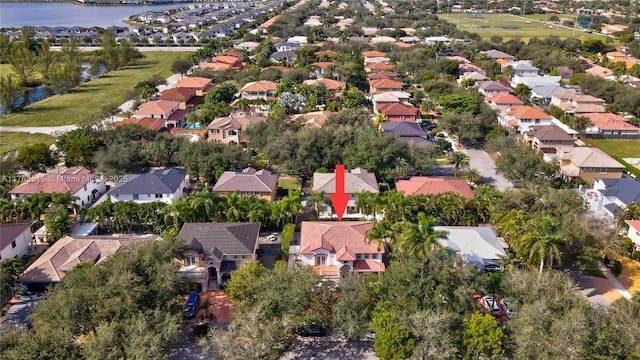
(506, 305)
(492, 305)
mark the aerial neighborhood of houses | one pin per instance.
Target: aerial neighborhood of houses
(459, 153)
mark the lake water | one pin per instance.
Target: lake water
(17, 14)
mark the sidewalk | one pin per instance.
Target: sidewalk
(616, 284)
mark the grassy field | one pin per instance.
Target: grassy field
(487, 25)
(10, 141)
(85, 102)
(289, 183)
(620, 147)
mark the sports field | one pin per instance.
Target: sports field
(510, 26)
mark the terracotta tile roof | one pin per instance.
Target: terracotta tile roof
(326, 270)
(233, 53)
(259, 86)
(282, 69)
(346, 237)
(383, 75)
(230, 60)
(313, 119)
(10, 231)
(154, 124)
(528, 112)
(323, 64)
(505, 98)
(609, 121)
(157, 107)
(215, 66)
(326, 52)
(368, 265)
(328, 83)
(423, 185)
(70, 180)
(397, 109)
(178, 115)
(571, 96)
(402, 45)
(513, 122)
(236, 122)
(616, 54)
(194, 82)
(599, 71)
(386, 84)
(248, 180)
(634, 224)
(374, 53)
(379, 66)
(65, 253)
(178, 94)
(589, 157)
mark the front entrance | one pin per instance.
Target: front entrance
(213, 279)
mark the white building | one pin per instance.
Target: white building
(163, 185)
(356, 181)
(15, 239)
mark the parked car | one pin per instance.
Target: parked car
(493, 267)
(192, 306)
(508, 308)
(492, 305)
(311, 330)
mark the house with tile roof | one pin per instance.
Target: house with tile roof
(355, 181)
(160, 184)
(472, 76)
(334, 86)
(259, 90)
(431, 185)
(503, 100)
(383, 75)
(473, 245)
(588, 163)
(50, 267)
(247, 45)
(248, 182)
(169, 111)
(232, 129)
(634, 233)
(384, 85)
(155, 124)
(410, 133)
(373, 53)
(326, 53)
(200, 84)
(391, 97)
(283, 57)
(522, 118)
(544, 92)
(15, 239)
(599, 71)
(608, 196)
(521, 68)
(610, 125)
(399, 112)
(546, 139)
(497, 54)
(335, 249)
(318, 69)
(490, 87)
(577, 104)
(314, 119)
(378, 67)
(79, 182)
(215, 250)
(182, 95)
(534, 80)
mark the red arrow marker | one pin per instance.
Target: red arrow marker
(339, 199)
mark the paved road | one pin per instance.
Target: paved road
(17, 314)
(142, 48)
(480, 160)
(51, 130)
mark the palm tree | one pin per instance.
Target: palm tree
(401, 167)
(523, 92)
(541, 241)
(459, 161)
(368, 203)
(232, 207)
(495, 286)
(292, 204)
(315, 200)
(420, 238)
(472, 175)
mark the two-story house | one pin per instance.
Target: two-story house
(334, 86)
(355, 181)
(588, 163)
(432, 185)
(608, 196)
(399, 112)
(577, 104)
(248, 182)
(259, 90)
(634, 233)
(15, 239)
(384, 85)
(200, 84)
(335, 249)
(546, 139)
(215, 250)
(521, 118)
(287, 46)
(408, 132)
(232, 129)
(319, 68)
(503, 100)
(159, 184)
(169, 111)
(81, 183)
(391, 97)
(490, 88)
(182, 95)
(521, 68)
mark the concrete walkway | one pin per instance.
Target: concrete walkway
(612, 279)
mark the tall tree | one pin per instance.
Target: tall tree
(460, 162)
(22, 61)
(420, 238)
(483, 337)
(36, 157)
(542, 241)
(10, 93)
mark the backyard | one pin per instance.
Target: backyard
(88, 101)
(487, 25)
(624, 148)
(11, 141)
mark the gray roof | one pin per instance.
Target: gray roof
(404, 129)
(549, 132)
(283, 55)
(492, 86)
(215, 240)
(472, 242)
(248, 180)
(355, 181)
(625, 190)
(545, 91)
(523, 66)
(156, 181)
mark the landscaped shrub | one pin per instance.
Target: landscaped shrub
(635, 255)
(287, 237)
(616, 269)
(627, 245)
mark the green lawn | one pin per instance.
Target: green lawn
(619, 147)
(85, 102)
(289, 183)
(11, 141)
(487, 25)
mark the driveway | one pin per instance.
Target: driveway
(481, 161)
(330, 349)
(18, 312)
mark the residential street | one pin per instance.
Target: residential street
(480, 160)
